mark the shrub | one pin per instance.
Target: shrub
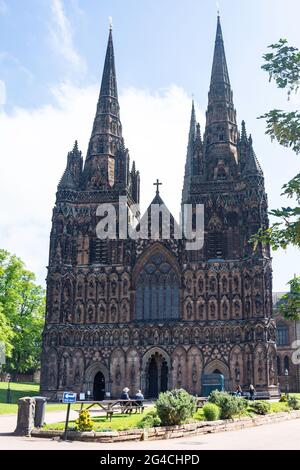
(294, 403)
(283, 398)
(150, 420)
(229, 404)
(175, 407)
(260, 407)
(211, 412)
(84, 421)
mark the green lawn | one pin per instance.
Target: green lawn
(19, 390)
(119, 422)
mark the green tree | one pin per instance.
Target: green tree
(283, 66)
(22, 303)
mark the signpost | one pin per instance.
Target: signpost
(68, 397)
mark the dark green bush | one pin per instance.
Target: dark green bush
(211, 412)
(294, 403)
(229, 404)
(175, 407)
(260, 407)
(150, 420)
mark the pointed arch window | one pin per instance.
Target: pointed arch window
(157, 290)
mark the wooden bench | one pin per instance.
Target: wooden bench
(131, 406)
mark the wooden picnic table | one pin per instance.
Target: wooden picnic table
(109, 406)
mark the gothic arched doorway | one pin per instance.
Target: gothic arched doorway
(99, 387)
(156, 372)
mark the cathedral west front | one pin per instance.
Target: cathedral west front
(149, 313)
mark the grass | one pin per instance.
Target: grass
(119, 422)
(19, 390)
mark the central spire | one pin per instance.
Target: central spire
(221, 127)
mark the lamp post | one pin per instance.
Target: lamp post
(286, 373)
(8, 391)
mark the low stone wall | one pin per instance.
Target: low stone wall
(171, 432)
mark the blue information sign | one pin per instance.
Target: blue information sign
(69, 397)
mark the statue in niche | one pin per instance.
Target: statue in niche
(189, 284)
(212, 284)
(166, 337)
(113, 312)
(179, 374)
(124, 312)
(78, 314)
(201, 311)
(91, 314)
(106, 338)
(236, 283)
(189, 310)
(248, 370)
(237, 372)
(126, 338)
(224, 284)
(102, 288)
(260, 370)
(116, 338)
(64, 374)
(271, 373)
(200, 284)
(67, 292)
(80, 289)
(132, 374)
(217, 336)
(52, 377)
(118, 375)
(194, 373)
(91, 289)
(212, 309)
(176, 337)
(146, 337)
(102, 314)
(237, 307)
(125, 287)
(77, 375)
(258, 304)
(225, 309)
(113, 288)
(136, 338)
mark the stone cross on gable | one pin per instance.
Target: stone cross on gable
(157, 184)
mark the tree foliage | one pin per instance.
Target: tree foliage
(22, 304)
(283, 66)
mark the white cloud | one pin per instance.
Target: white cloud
(33, 151)
(62, 36)
(34, 146)
(2, 93)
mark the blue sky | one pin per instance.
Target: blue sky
(51, 59)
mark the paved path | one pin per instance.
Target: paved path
(279, 436)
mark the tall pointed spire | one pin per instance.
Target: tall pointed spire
(221, 127)
(107, 160)
(219, 69)
(194, 149)
(109, 79)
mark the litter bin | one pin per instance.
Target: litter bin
(39, 416)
